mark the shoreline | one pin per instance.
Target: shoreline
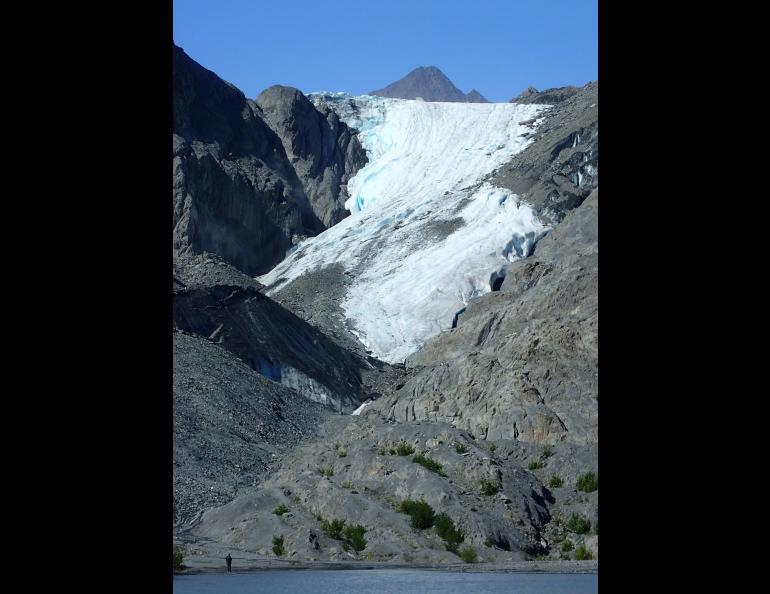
(209, 566)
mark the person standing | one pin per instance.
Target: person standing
(229, 560)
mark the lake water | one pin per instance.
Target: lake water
(386, 581)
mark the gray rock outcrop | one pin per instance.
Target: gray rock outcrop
(547, 97)
(561, 167)
(323, 150)
(236, 192)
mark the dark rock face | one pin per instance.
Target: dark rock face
(228, 423)
(324, 152)
(429, 84)
(522, 362)
(561, 167)
(272, 341)
(547, 97)
(236, 191)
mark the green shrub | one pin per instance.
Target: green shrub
(404, 449)
(460, 448)
(354, 536)
(582, 554)
(446, 529)
(469, 555)
(347, 485)
(342, 452)
(489, 487)
(333, 529)
(492, 447)
(535, 464)
(422, 513)
(278, 546)
(280, 510)
(326, 471)
(429, 463)
(578, 524)
(587, 482)
(546, 453)
(382, 452)
(178, 557)
(392, 452)
(555, 482)
(296, 499)
(567, 546)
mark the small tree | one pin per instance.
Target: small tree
(278, 546)
(333, 529)
(469, 555)
(582, 554)
(587, 482)
(555, 482)
(460, 448)
(422, 513)
(578, 524)
(404, 449)
(430, 464)
(446, 529)
(178, 557)
(280, 510)
(489, 487)
(354, 536)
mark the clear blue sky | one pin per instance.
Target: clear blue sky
(496, 46)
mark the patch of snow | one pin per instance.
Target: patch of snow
(360, 409)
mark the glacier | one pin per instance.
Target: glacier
(426, 232)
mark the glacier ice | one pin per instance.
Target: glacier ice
(426, 230)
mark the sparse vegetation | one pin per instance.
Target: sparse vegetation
(555, 482)
(404, 449)
(446, 529)
(489, 487)
(492, 447)
(333, 529)
(469, 555)
(460, 448)
(578, 524)
(178, 557)
(296, 499)
(347, 485)
(354, 536)
(382, 452)
(342, 452)
(280, 510)
(327, 471)
(278, 546)
(535, 464)
(422, 513)
(587, 482)
(582, 554)
(429, 463)
(546, 453)
(567, 546)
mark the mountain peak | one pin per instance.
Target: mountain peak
(428, 83)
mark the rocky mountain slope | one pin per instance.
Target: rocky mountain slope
(429, 84)
(493, 417)
(547, 97)
(247, 191)
(229, 425)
